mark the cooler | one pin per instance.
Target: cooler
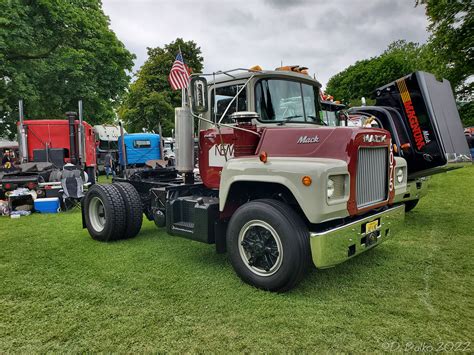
(47, 205)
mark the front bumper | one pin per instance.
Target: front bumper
(416, 189)
(339, 244)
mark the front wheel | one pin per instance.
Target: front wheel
(268, 245)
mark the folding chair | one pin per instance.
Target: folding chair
(72, 189)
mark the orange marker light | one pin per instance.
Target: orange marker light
(406, 146)
(306, 180)
(263, 157)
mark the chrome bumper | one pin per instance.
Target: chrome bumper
(339, 244)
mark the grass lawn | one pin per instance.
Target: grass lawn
(62, 291)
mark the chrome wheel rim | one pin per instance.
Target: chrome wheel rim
(260, 248)
(97, 214)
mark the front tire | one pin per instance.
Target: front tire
(104, 213)
(268, 245)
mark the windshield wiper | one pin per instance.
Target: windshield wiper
(317, 119)
(288, 119)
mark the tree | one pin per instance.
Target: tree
(54, 52)
(363, 77)
(451, 42)
(150, 99)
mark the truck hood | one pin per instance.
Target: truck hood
(324, 142)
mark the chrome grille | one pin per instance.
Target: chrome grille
(371, 176)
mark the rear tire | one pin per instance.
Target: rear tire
(268, 245)
(104, 213)
(133, 208)
(409, 205)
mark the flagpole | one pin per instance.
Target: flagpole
(183, 90)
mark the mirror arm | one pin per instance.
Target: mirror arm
(234, 98)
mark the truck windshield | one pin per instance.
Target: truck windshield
(108, 145)
(284, 100)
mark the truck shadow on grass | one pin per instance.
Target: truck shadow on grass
(322, 282)
(400, 252)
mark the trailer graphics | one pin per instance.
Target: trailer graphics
(277, 189)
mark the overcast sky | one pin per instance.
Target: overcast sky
(325, 36)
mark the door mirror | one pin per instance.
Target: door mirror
(199, 102)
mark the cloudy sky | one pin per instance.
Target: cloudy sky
(326, 36)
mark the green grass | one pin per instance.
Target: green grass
(103, 179)
(62, 291)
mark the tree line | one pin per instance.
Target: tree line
(449, 54)
(55, 52)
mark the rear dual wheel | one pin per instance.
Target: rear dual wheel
(268, 245)
(112, 212)
(133, 208)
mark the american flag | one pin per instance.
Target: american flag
(179, 76)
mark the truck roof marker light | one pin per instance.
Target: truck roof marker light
(263, 157)
(406, 146)
(306, 180)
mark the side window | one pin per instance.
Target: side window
(142, 144)
(223, 96)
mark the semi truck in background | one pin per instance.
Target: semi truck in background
(46, 146)
(277, 189)
(418, 139)
(136, 149)
(107, 136)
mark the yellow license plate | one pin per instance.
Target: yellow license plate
(371, 226)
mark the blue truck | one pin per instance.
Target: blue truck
(139, 148)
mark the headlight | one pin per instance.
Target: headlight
(330, 188)
(400, 175)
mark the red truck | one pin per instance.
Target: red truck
(57, 141)
(46, 146)
(277, 188)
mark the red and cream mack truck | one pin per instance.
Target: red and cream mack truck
(277, 189)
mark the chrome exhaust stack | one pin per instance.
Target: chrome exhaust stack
(22, 136)
(184, 142)
(80, 136)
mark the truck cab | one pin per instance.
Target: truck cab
(106, 136)
(263, 139)
(278, 189)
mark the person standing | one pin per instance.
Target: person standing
(6, 160)
(109, 165)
